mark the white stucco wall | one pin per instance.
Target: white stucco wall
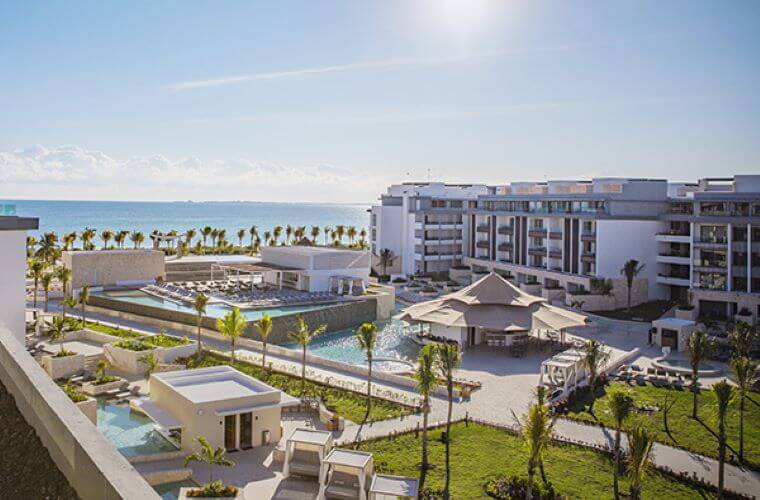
(12, 282)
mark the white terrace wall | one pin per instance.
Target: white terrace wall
(113, 267)
(91, 464)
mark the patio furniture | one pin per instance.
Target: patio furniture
(345, 474)
(304, 451)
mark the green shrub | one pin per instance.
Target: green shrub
(163, 340)
(213, 489)
(63, 353)
(514, 488)
(133, 345)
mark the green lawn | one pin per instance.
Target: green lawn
(685, 432)
(347, 404)
(479, 453)
(646, 312)
(108, 330)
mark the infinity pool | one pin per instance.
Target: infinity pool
(213, 310)
(130, 432)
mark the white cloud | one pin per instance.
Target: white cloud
(71, 172)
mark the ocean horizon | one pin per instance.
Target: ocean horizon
(65, 216)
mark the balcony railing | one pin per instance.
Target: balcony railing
(482, 244)
(555, 254)
(712, 240)
(555, 235)
(588, 257)
(539, 251)
(505, 247)
(537, 232)
(483, 228)
(506, 229)
(588, 236)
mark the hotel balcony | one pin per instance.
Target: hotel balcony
(588, 236)
(673, 237)
(505, 247)
(441, 241)
(506, 229)
(672, 280)
(537, 232)
(555, 254)
(704, 266)
(674, 258)
(437, 256)
(483, 228)
(588, 257)
(717, 242)
(555, 235)
(438, 225)
(537, 251)
(483, 244)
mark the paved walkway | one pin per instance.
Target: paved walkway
(507, 388)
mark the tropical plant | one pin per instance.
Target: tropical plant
(106, 235)
(189, 235)
(742, 338)
(241, 234)
(68, 240)
(36, 269)
(386, 259)
(48, 247)
(536, 429)
(630, 270)
(58, 329)
(47, 281)
(302, 336)
(63, 274)
(205, 233)
(288, 233)
(426, 382)
(84, 297)
(620, 404)
(327, 230)
(151, 363)
(199, 304)
(232, 326)
(351, 233)
(68, 302)
(264, 327)
(315, 230)
(448, 360)
(87, 235)
(100, 371)
(31, 242)
(340, 231)
(276, 232)
(745, 373)
(254, 231)
(700, 346)
(724, 393)
(639, 451)
(209, 456)
(595, 356)
(366, 336)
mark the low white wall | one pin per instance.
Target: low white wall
(170, 354)
(91, 389)
(63, 367)
(129, 360)
(91, 464)
(90, 409)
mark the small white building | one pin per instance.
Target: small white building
(122, 267)
(225, 406)
(673, 332)
(316, 269)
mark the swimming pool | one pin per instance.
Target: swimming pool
(343, 346)
(213, 310)
(170, 491)
(130, 432)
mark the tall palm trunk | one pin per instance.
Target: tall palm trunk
(200, 317)
(232, 342)
(721, 456)
(425, 410)
(616, 471)
(264, 355)
(303, 371)
(84, 315)
(694, 392)
(47, 293)
(369, 385)
(529, 487)
(741, 427)
(450, 390)
(36, 283)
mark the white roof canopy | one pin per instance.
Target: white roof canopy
(395, 485)
(309, 436)
(348, 458)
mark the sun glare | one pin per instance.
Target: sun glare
(463, 16)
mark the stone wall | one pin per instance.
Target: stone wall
(26, 469)
(336, 317)
(113, 267)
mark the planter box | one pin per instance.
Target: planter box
(688, 314)
(91, 389)
(168, 355)
(183, 495)
(129, 360)
(63, 367)
(90, 409)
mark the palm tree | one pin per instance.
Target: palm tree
(745, 371)
(86, 236)
(351, 233)
(303, 336)
(742, 338)
(366, 335)
(314, 233)
(630, 270)
(36, 269)
(58, 330)
(264, 327)
(724, 393)
(123, 235)
(267, 238)
(205, 233)
(209, 456)
(448, 360)
(241, 234)
(63, 274)
(340, 231)
(595, 357)
(232, 325)
(363, 234)
(106, 235)
(288, 233)
(68, 240)
(620, 404)
(254, 230)
(47, 280)
(151, 363)
(426, 382)
(276, 232)
(48, 246)
(199, 304)
(69, 302)
(31, 242)
(327, 231)
(536, 429)
(639, 449)
(699, 346)
(189, 235)
(386, 259)
(84, 296)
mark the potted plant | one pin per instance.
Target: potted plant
(211, 457)
(64, 363)
(86, 404)
(103, 382)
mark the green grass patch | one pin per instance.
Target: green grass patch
(133, 345)
(348, 404)
(124, 333)
(646, 312)
(163, 340)
(480, 453)
(685, 432)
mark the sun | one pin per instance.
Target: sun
(463, 16)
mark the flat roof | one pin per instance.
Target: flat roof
(395, 485)
(311, 436)
(216, 383)
(303, 250)
(348, 458)
(16, 223)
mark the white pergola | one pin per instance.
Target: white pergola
(343, 472)
(385, 487)
(345, 284)
(564, 370)
(302, 448)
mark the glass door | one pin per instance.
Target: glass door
(246, 430)
(229, 432)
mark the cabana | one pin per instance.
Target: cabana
(345, 474)
(564, 370)
(393, 487)
(491, 311)
(304, 451)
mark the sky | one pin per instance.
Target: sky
(331, 101)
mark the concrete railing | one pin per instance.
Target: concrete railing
(93, 467)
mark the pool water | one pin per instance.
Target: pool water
(343, 346)
(170, 491)
(130, 432)
(212, 310)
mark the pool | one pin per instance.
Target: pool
(213, 310)
(130, 432)
(170, 491)
(682, 365)
(392, 344)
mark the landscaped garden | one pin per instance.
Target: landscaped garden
(480, 453)
(683, 431)
(126, 333)
(348, 404)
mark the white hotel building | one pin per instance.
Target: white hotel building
(699, 243)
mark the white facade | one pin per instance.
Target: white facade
(422, 224)
(314, 269)
(13, 273)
